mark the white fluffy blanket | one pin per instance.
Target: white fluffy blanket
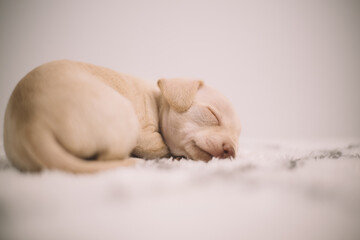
(271, 190)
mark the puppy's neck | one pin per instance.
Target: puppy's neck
(162, 107)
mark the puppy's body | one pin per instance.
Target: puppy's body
(64, 113)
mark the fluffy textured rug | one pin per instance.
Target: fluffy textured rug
(272, 190)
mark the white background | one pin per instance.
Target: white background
(291, 68)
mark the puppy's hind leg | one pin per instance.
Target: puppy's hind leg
(55, 156)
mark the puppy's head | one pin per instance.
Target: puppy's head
(196, 121)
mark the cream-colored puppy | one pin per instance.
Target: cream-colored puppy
(84, 118)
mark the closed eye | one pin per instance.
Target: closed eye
(205, 115)
(215, 115)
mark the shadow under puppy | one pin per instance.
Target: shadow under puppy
(63, 113)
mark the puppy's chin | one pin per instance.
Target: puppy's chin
(194, 152)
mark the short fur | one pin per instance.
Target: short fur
(83, 118)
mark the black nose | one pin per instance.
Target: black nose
(228, 151)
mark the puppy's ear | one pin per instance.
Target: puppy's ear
(179, 93)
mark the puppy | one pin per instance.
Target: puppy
(83, 118)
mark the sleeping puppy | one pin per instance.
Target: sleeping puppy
(83, 118)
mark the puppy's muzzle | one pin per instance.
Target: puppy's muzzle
(228, 151)
(225, 151)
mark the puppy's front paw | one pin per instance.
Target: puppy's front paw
(150, 145)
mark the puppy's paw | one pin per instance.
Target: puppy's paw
(131, 161)
(150, 145)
